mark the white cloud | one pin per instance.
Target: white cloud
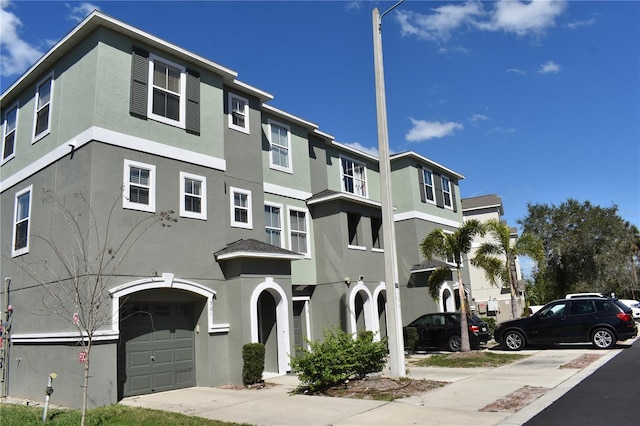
(17, 54)
(367, 150)
(517, 71)
(438, 26)
(511, 16)
(549, 68)
(476, 118)
(78, 13)
(503, 130)
(578, 24)
(424, 130)
(523, 18)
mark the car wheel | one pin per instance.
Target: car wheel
(513, 341)
(455, 342)
(603, 338)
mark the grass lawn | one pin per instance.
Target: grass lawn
(468, 359)
(112, 415)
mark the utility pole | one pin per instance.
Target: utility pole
(394, 317)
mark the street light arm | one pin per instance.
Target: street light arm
(389, 10)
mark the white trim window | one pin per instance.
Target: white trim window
(9, 126)
(241, 216)
(299, 231)
(280, 145)
(354, 177)
(167, 90)
(139, 186)
(273, 223)
(429, 190)
(238, 111)
(193, 196)
(42, 116)
(446, 193)
(21, 222)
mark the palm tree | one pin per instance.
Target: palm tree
(489, 254)
(634, 254)
(451, 246)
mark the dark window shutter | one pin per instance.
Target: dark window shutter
(452, 186)
(437, 184)
(139, 82)
(423, 196)
(192, 122)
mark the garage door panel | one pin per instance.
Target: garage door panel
(158, 350)
(184, 354)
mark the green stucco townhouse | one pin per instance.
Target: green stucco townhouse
(279, 231)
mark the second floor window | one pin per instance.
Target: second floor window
(376, 232)
(21, 222)
(43, 108)
(139, 186)
(353, 224)
(9, 132)
(238, 113)
(354, 177)
(273, 224)
(280, 140)
(241, 208)
(298, 232)
(166, 95)
(428, 185)
(193, 201)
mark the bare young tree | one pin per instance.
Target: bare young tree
(77, 262)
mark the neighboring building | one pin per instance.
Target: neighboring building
(489, 299)
(279, 230)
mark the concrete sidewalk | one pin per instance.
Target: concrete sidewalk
(458, 403)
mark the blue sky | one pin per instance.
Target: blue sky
(537, 101)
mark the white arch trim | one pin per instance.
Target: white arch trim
(282, 320)
(370, 324)
(166, 281)
(376, 293)
(444, 287)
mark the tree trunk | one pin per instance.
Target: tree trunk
(465, 346)
(85, 388)
(514, 291)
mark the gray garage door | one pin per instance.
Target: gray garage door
(157, 347)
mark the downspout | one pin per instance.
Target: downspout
(6, 328)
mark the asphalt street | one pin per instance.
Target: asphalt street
(608, 396)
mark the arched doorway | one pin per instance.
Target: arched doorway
(380, 297)
(447, 299)
(361, 309)
(270, 326)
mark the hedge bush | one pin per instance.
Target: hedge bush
(337, 358)
(253, 363)
(411, 339)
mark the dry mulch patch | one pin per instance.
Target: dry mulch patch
(517, 400)
(383, 388)
(582, 361)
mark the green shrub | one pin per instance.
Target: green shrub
(411, 339)
(253, 363)
(338, 358)
(491, 322)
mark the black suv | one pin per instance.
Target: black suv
(599, 320)
(442, 330)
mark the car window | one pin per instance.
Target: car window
(423, 321)
(553, 311)
(602, 305)
(438, 320)
(581, 307)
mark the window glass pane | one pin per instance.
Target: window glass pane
(21, 234)
(173, 80)
(240, 200)
(173, 107)
(11, 120)
(22, 211)
(159, 75)
(159, 102)
(139, 176)
(42, 120)
(44, 94)
(8, 145)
